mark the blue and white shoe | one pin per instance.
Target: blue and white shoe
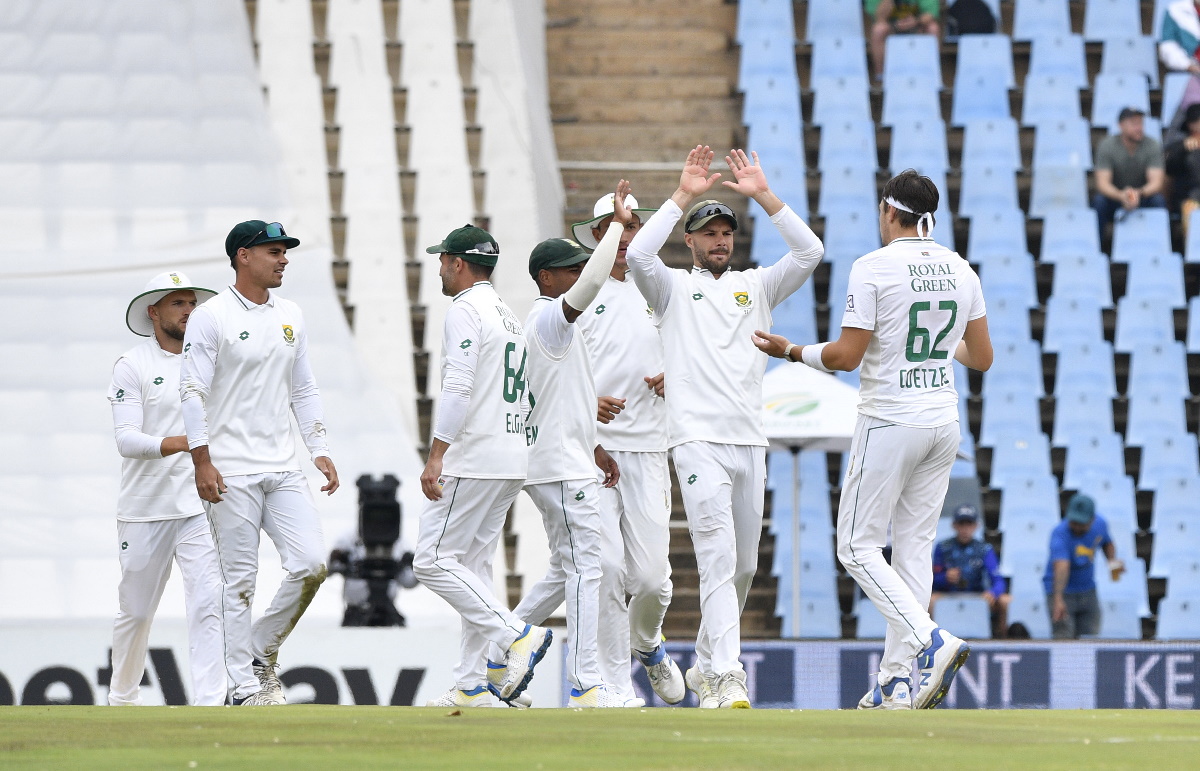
(601, 696)
(520, 659)
(479, 696)
(496, 674)
(938, 665)
(894, 695)
(664, 674)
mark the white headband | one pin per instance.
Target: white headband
(925, 219)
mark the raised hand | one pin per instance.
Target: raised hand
(751, 180)
(622, 213)
(694, 181)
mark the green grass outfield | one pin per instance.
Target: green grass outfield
(399, 737)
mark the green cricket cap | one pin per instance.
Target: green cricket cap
(254, 232)
(699, 215)
(556, 253)
(1081, 509)
(471, 243)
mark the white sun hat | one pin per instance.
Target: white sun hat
(604, 207)
(159, 287)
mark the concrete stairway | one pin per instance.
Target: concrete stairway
(634, 84)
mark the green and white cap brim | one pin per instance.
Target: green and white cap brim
(157, 288)
(603, 208)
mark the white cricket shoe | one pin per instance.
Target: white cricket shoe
(256, 699)
(265, 672)
(496, 674)
(702, 686)
(476, 697)
(664, 674)
(520, 659)
(894, 695)
(938, 665)
(602, 695)
(731, 691)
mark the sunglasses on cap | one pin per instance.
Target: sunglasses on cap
(487, 247)
(713, 210)
(273, 230)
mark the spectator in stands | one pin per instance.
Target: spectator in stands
(1070, 579)
(964, 564)
(899, 17)
(1129, 169)
(1179, 50)
(1183, 164)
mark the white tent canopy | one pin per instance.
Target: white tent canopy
(809, 410)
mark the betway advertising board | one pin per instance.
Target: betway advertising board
(68, 662)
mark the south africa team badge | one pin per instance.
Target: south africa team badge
(289, 337)
(743, 300)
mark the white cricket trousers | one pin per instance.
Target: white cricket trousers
(896, 475)
(279, 504)
(723, 487)
(634, 558)
(458, 537)
(571, 515)
(146, 551)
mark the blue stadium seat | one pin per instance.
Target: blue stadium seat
(840, 98)
(1165, 457)
(772, 100)
(909, 98)
(1017, 365)
(1142, 322)
(768, 53)
(851, 234)
(795, 318)
(834, 18)
(1095, 454)
(989, 55)
(1029, 498)
(1177, 542)
(1157, 276)
(871, 623)
(1011, 275)
(1049, 97)
(756, 17)
(820, 618)
(1029, 525)
(992, 143)
(1113, 92)
(968, 615)
(1008, 321)
(1130, 587)
(1030, 610)
(1086, 366)
(1078, 414)
(985, 188)
(1066, 142)
(919, 144)
(1059, 56)
(1018, 459)
(1039, 18)
(980, 96)
(847, 143)
(847, 189)
(1119, 619)
(1154, 414)
(996, 234)
(1069, 231)
(1072, 321)
(1135, 54)
(1160, 7)
(1174, 500)
(1178, 618)
(1159, 367)
(1057, 187)
(1193, 327)
(912, 56)
(843, 56)
(1183, 580)
(1024, 562)
(1107, 19)
(1141, 231)
(1173, 86)
(943, 229)
(1011, 412)
(1083, 277)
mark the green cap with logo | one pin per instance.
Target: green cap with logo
(254, 232)
(471, 243)
(556, 253)
(699, 215)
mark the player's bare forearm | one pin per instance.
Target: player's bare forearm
(209, 484)
(173, 444)
(1062, 571)
(607, 464)
(325, 465)
(975, 348)
(431, 476)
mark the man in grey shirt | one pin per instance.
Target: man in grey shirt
(1129, 170)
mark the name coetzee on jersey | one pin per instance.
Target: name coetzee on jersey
(923, 277)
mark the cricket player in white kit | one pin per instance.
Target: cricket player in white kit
(160, 518)
(627, 359)
(245, 372)
(714, 393)
(476, 467)
(910, 307)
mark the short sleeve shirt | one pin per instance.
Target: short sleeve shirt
(1129, 169)
(1080, 551)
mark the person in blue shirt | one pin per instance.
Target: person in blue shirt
(1070, 579)
(964, 564)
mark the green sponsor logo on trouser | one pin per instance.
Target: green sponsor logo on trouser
(158, 381)
(244, 334)
(692, 479)
(579, 496)
(124, 545)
